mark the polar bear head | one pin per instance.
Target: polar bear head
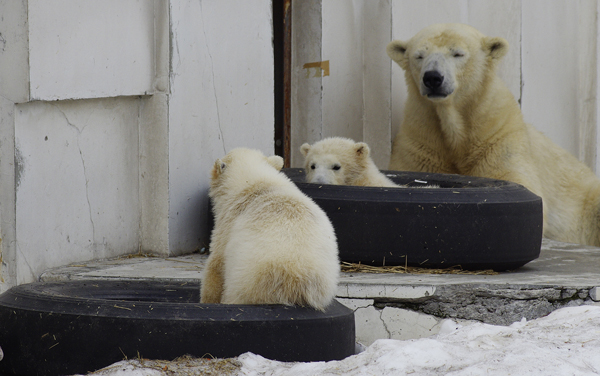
(238, 167)
(335, 160)
(446, 60)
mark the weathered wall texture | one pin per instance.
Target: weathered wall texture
(90, 49)
(76, 176)
(112, 114)
(221, 98)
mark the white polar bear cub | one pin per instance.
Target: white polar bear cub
(341, 161)
(271, 244)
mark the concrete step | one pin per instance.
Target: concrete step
(410, 305)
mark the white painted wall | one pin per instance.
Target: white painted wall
(107, 45)
(14, 51)
(72, 167)
(222, 98)
(8, 252)
(559, 79)
(76, 182)
(112, 114)
(551, 67)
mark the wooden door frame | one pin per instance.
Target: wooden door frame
(282, 53)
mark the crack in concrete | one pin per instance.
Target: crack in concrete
(366, 305)
(387, 330)
(85, 175)
(26, 262)
(493, 306)
(87, 193)
(212, 70)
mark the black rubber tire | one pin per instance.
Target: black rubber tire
(63, 328)
(474, 223)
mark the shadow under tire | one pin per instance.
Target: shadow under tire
(50, 328)
(471, 222)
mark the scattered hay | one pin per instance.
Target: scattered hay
(348, 267)
(139, 254)
(185, 365)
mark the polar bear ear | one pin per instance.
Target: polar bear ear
(396, 50)
(304, 149)
(218, 168)
(276, 161)
(362, 150)
(495, 47)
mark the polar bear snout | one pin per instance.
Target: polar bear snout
(321, 179)
(435, 85)
(321, 175)
(433, 79)
(437, 76)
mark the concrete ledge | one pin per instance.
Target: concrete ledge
(404, 306)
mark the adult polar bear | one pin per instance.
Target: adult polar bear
(461, 118)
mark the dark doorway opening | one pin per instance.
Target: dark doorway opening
(282, 40)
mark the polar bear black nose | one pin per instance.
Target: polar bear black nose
(433, 79)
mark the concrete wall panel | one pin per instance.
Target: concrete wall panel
(8, 262)
(14, 51)
(90, 49)
(76, 180)
(222, 98)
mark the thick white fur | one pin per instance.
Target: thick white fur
(271, 244)
(472, 125)
(341, 161)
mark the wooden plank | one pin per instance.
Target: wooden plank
(306, 112)
(549, 52)
(342, 89)
(501, 19)
(587, 82)
(377, 21)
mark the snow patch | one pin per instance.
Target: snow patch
(566, 342)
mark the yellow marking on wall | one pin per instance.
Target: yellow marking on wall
(321, 68)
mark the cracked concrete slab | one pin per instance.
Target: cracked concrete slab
(404, 306)
(559, 264)
(382, 290)
(369, 324)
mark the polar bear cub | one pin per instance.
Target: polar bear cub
(271, 244)
(341, 161)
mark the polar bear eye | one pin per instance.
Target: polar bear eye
(312, 166)
(458, 54)
(336, 167)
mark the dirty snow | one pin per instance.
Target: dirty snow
(566, 342)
